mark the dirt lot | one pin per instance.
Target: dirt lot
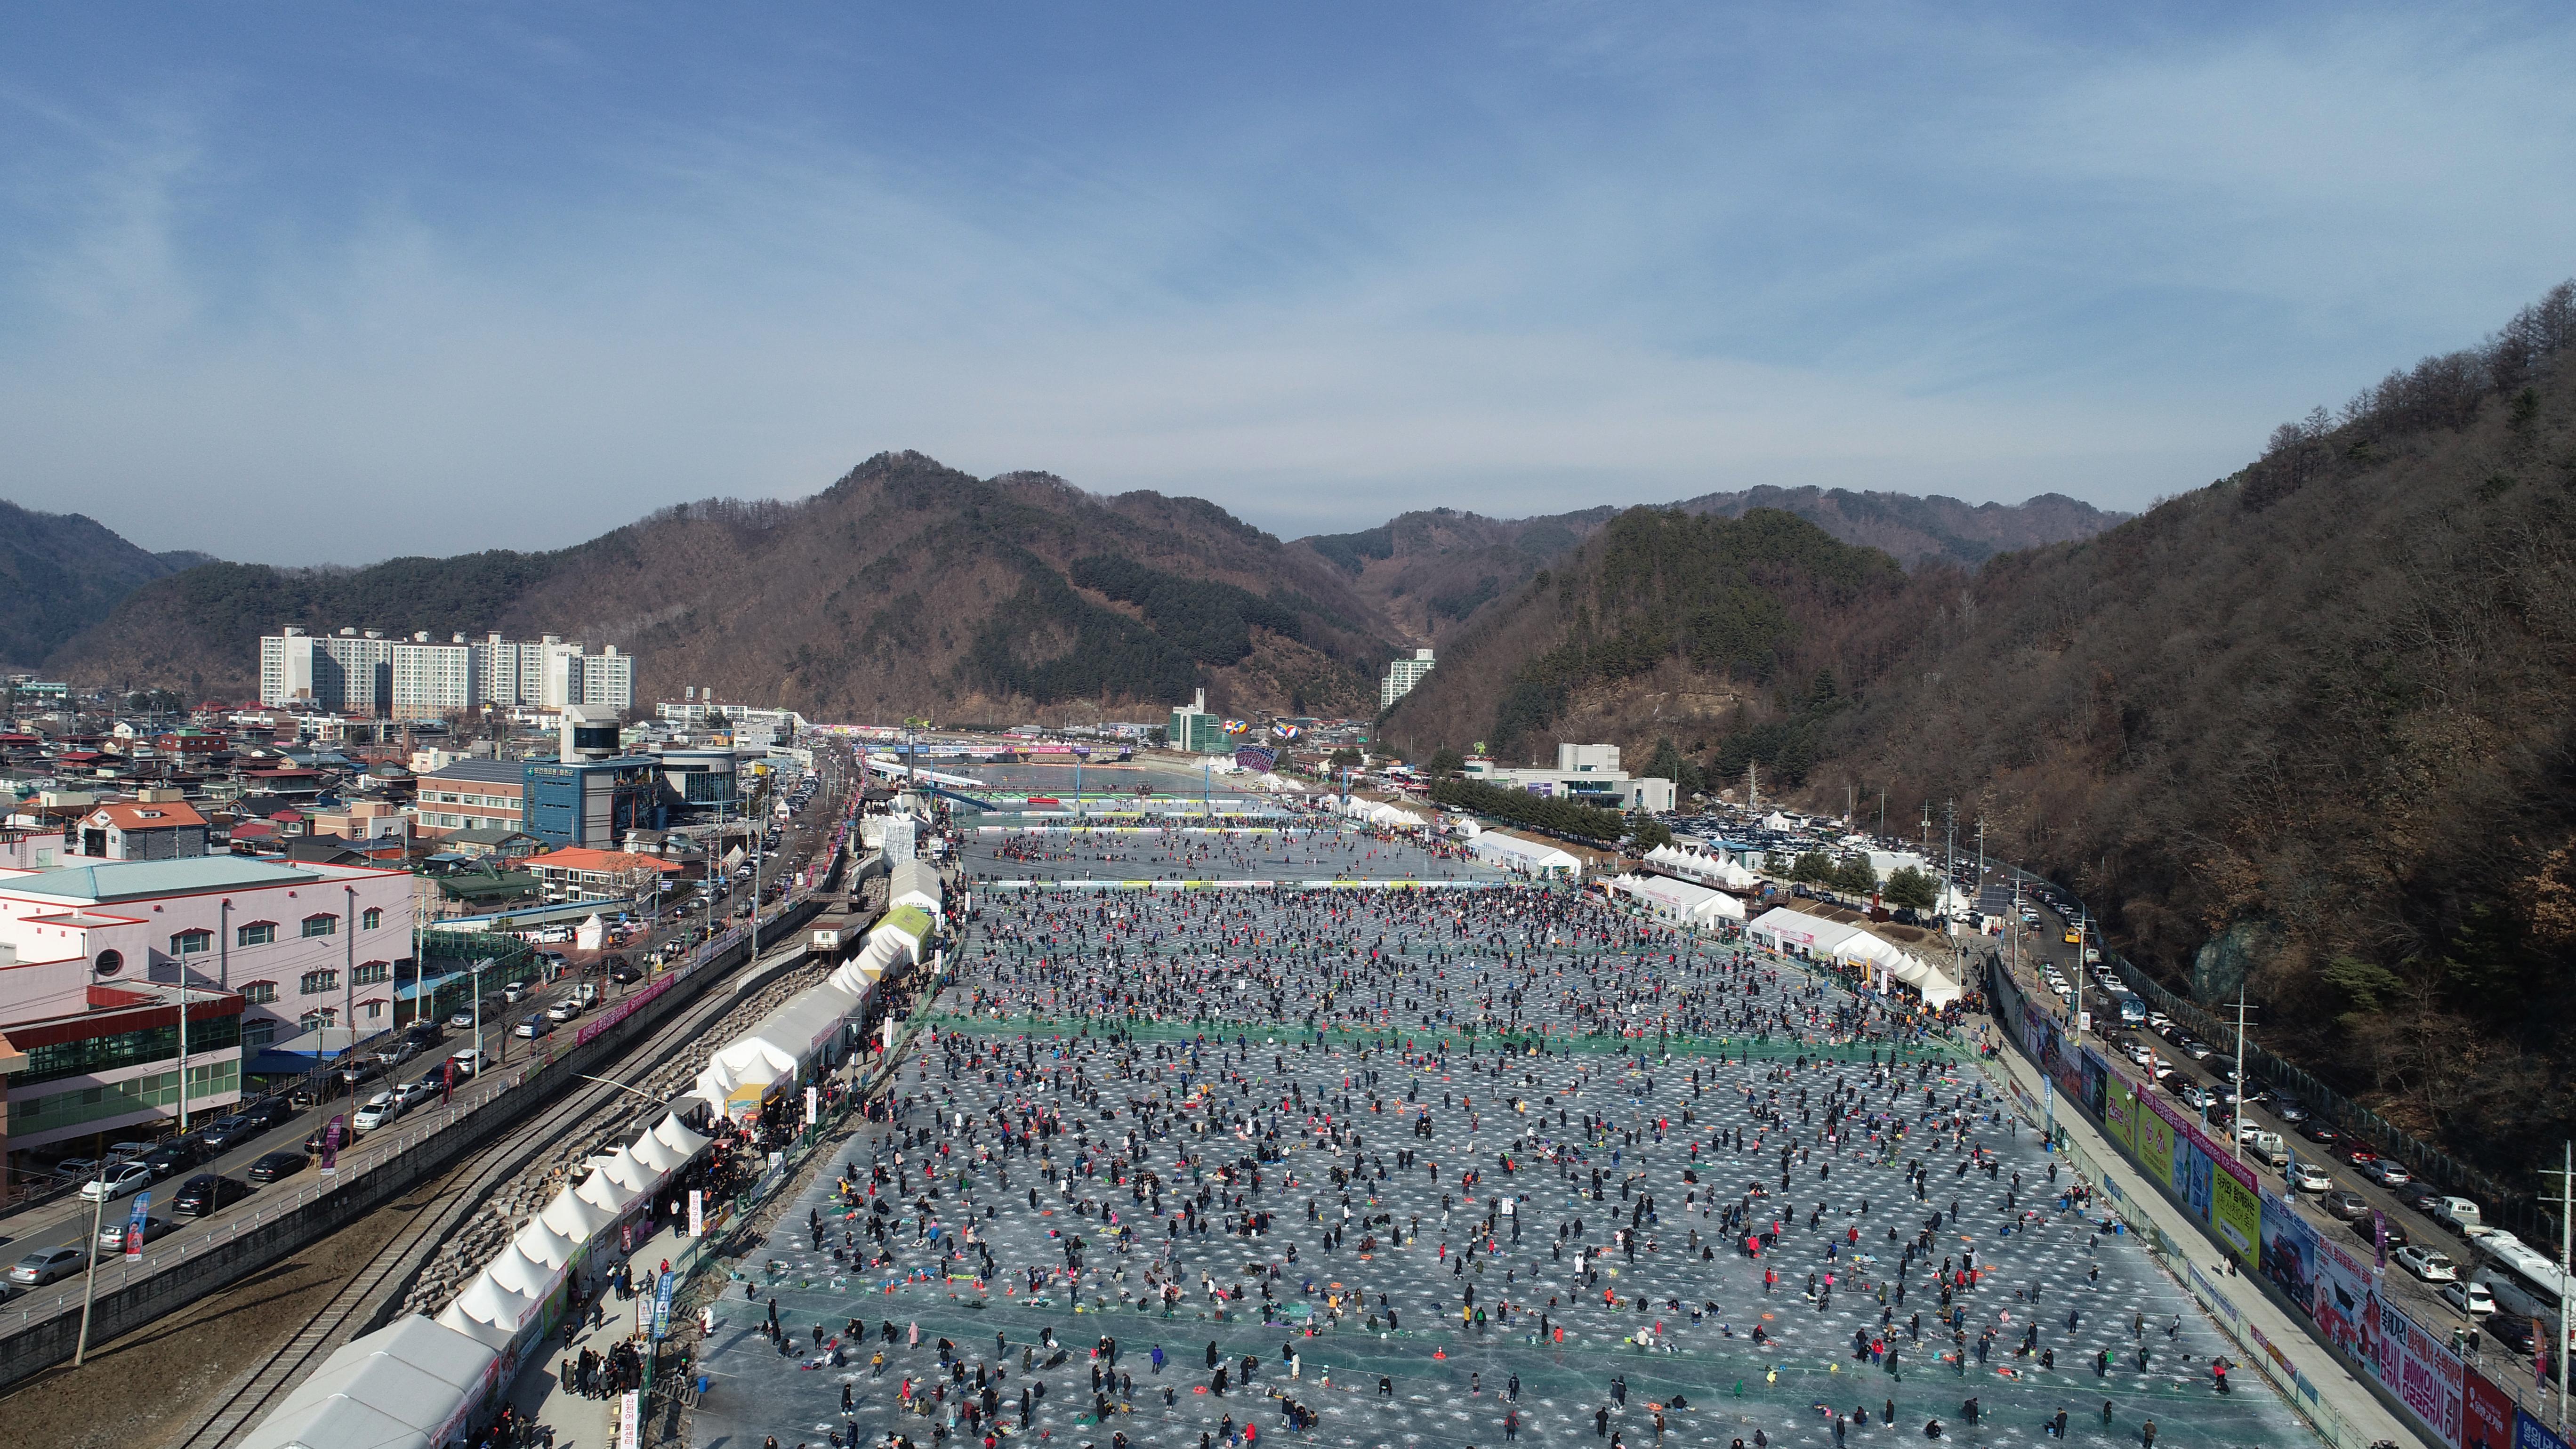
(145, 1388)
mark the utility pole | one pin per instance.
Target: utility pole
(1752, 788)
(2235, 1136)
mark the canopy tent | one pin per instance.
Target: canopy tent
(1879, 959)
(411, 1383)
(1777, 821)
(488, 1300)
(648, 1150)
(513, 1269)
(574, 1219)
(545, 1245)
(675, 1134)
(1529, 857)
(1707, 869)
(493, 1336)
(606, 1193)
(626, 1172)
(915, 883)
(1679, 901)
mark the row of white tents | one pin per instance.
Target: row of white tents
(1534, 858)
(420, 1383)
(1879, 960)
(1377, 812)
(1703, 867)
(1678, 901)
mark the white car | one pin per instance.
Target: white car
(116, 1182)
(2308, 1177)
(2425, 1263)
(2469, 1297)
(381, 1108)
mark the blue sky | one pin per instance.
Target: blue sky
(322, 283)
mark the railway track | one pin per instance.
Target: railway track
(595, 1107)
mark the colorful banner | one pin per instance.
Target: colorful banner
(2236, 1211)
(2530, 1433)
(2289, 1251)
(2120, 1113)
(2486, 1413)
(2345, 1304)
(2157, 1128)
(2191, 1170)
(2422, 1371)
(134, 1227)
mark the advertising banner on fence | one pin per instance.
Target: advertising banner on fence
(2421, 1371)
(2236, 1210)
(2486, 1413)
(2289, 1251)
(2120, 1113)
(2191, 1170)
(2530, 1433)
(2345, 1304)
(2156, 1133)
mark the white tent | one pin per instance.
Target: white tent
(1529, 857)
(411, 1383)
(1707, 869)
(590, 935)
(493, 1336)
(1785, 929)
(1777, 821)
(513, 1269)
(1679, 901)
(488, 1300)
(661, 1161)
(606, 1193)
(676, 1135)
(1879, 958)
(575, 1219)
(914, 883)
(544, 1245)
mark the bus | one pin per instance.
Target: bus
(2525, 1282)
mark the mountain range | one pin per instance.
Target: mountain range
(60, 573)
(2308, 732)
(908, 586)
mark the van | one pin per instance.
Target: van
(2461, 1216)
(2133, 1012)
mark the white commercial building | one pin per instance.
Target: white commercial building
(1401, 676)
(1588, 774)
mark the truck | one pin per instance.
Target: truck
(2272, 1147)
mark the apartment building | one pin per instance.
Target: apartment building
(364, 672)
(471, 795)
(1401, 676)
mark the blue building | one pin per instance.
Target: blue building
(593, 802)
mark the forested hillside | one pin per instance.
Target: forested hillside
(2312, 726)
(1663, 623)
(1917, 530)
(904, 588)
(61, 573)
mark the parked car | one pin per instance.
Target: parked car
(2308, 1177)
(2359, 1154)
(46, 1265)
(2389, 1230)
(227, 1132)
(208, 1192)
(170, 1158)
(2344, 1203)
(381, 1109)
(2388, 1172)
(461, 1021)
(2428, 1264)
(624, 973)
(419, 1090)
(2290, 1109)
(514, 993)
(111, 1236)
(564, 1010)
(536, 1026)
(275, 1165)
(116, 1181)
(2469, 1297)
(2320, 1133)
(268, 1112)
(468, 1062)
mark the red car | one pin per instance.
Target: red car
(2360, 1154)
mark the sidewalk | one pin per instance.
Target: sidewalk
(2342, 1409)
(539, 1397)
